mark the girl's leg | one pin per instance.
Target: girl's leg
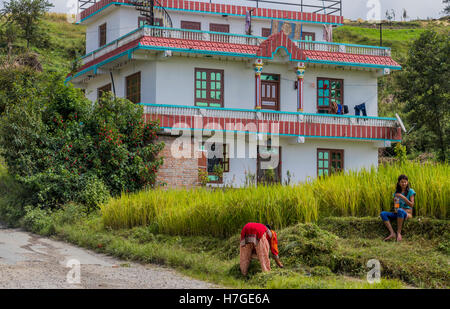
(245, 257)
(385, 216)
(402, 215)
(263, 251)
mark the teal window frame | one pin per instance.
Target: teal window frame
(325, 95)
(329, 161)
(209, 87)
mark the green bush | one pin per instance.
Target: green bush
(38, 221)
(12, 198)
(62, 148)
(321, 271)
(94, 193)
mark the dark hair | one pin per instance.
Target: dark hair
(399, 188)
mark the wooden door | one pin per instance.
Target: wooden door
(191, 25)
(270, 91)
(220, 28)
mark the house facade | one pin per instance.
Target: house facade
(244, 90)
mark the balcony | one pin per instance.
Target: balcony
(272, 122)
(172, 38)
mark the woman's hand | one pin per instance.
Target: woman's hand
(278, 261)
(401, 196)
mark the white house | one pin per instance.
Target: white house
(240, 86)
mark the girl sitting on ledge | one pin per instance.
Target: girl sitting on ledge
(403, 204)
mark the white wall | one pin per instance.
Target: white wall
(301, 159)
(239, 81)
(148, 81)
(124, 19)
(237, 24)
(119, 22)
(161, 78)
(359, 87)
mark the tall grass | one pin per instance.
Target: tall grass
(223, 212)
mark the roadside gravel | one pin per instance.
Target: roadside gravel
(29, 261)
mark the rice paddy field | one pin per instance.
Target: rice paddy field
(222, 213)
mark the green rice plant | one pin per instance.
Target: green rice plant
(223, 212)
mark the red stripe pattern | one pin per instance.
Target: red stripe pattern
(226, 9)
(277, 127)
(349, 58)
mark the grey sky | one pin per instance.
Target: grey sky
(352, 9)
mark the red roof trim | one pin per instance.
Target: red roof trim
(265, 50)
(226, 9)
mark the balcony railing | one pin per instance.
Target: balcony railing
(283, 123)
(344, 48)
(210, 36)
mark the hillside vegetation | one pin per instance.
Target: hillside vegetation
(396, 35)
(65, 42)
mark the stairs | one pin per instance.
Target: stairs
(154, 13)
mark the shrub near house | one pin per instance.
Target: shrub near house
(63, 148)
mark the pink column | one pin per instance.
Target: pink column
(258, 69)
(300, 74)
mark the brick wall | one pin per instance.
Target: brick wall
(179, 172)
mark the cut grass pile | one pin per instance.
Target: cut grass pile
(222, 213)
(314, 257)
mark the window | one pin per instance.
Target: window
(102, 90)
(158, 22)
(265, 32)
(270, 91)
(142, 21)
(329, 161)
(133, 84)
(102, 35)
(268, 164)
(217, 155)
(308, 36)
(191, 25)
(329, 91)
(209, 86)
(146, 21)
(220, 28)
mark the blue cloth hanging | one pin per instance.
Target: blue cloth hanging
(361, 108)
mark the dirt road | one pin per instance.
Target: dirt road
(30, 261)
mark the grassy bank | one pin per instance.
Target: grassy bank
(396, 35)
(222, 213)
(330, 254)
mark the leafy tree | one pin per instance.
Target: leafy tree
(63, 148)
(447, 6)
(389, 16)
(8, 37)
(404, 15)
(26, 14)
(424, 88)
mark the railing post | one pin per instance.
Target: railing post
(300, 74)
(258, 70)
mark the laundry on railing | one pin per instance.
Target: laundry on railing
(361, 108)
